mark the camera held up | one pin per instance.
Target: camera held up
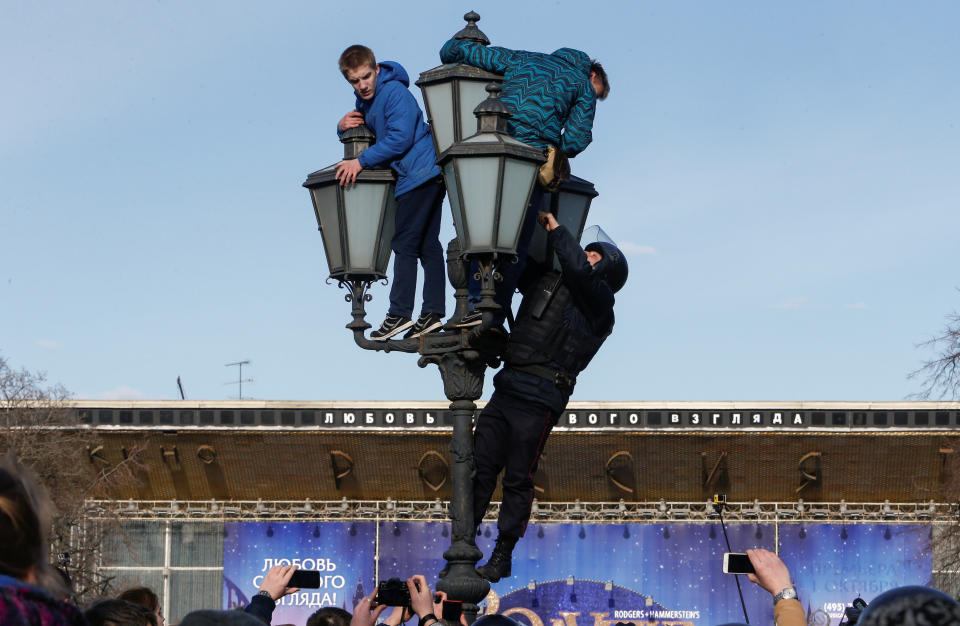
(393, 592)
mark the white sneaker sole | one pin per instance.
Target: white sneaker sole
(396, 331)
(428, 329)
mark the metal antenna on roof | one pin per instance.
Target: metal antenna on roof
(240, 379)
(180, 387)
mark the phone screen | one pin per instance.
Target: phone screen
(452, 610)
(734, 563)
(305, 579)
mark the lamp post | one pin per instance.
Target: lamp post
(570, 205)
(491, 176)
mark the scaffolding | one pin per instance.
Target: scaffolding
(589, 512)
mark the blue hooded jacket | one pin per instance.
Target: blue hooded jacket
(547, 93)
(403, 138)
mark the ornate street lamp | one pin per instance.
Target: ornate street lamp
(356, 221)
(490, 177)
(452, 91)
(570, 205)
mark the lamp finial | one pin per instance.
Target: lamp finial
(492, 114)
(471, 32)
(356, 140)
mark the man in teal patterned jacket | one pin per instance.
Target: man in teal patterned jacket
(547, 93)
(552, 98)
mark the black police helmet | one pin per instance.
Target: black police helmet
(613, 266)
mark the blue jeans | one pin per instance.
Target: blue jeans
(510, 271)
(417, 236)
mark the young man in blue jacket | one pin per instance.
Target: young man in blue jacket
(553, 99)
(385, 104)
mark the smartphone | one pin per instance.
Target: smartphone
(452, 610)
(305, 579)
(736, 563)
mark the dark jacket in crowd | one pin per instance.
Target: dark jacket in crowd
(261, 607)
(26, 605)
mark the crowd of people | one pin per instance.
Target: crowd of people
(33, 592)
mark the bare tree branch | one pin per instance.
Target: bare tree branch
(44, 434)
(940, 376)
(940, 379)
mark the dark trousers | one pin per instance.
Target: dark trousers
(509, 270)
(417, 236)
(509, 436)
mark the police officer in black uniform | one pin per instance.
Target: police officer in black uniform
(562, 321)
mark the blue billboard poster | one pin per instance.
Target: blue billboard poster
(408, 548)
(832, 564)
(599, 574)
(343, 552)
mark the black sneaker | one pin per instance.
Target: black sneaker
(426, 323)
(391, 326)
(473, 318)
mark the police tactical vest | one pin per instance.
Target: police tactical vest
(543, 333)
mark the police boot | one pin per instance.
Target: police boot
(499, 564)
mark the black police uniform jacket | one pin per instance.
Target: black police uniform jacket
(561, 323)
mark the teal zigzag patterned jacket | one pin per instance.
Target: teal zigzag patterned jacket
(547, 93)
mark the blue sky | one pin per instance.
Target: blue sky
(782, 176)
